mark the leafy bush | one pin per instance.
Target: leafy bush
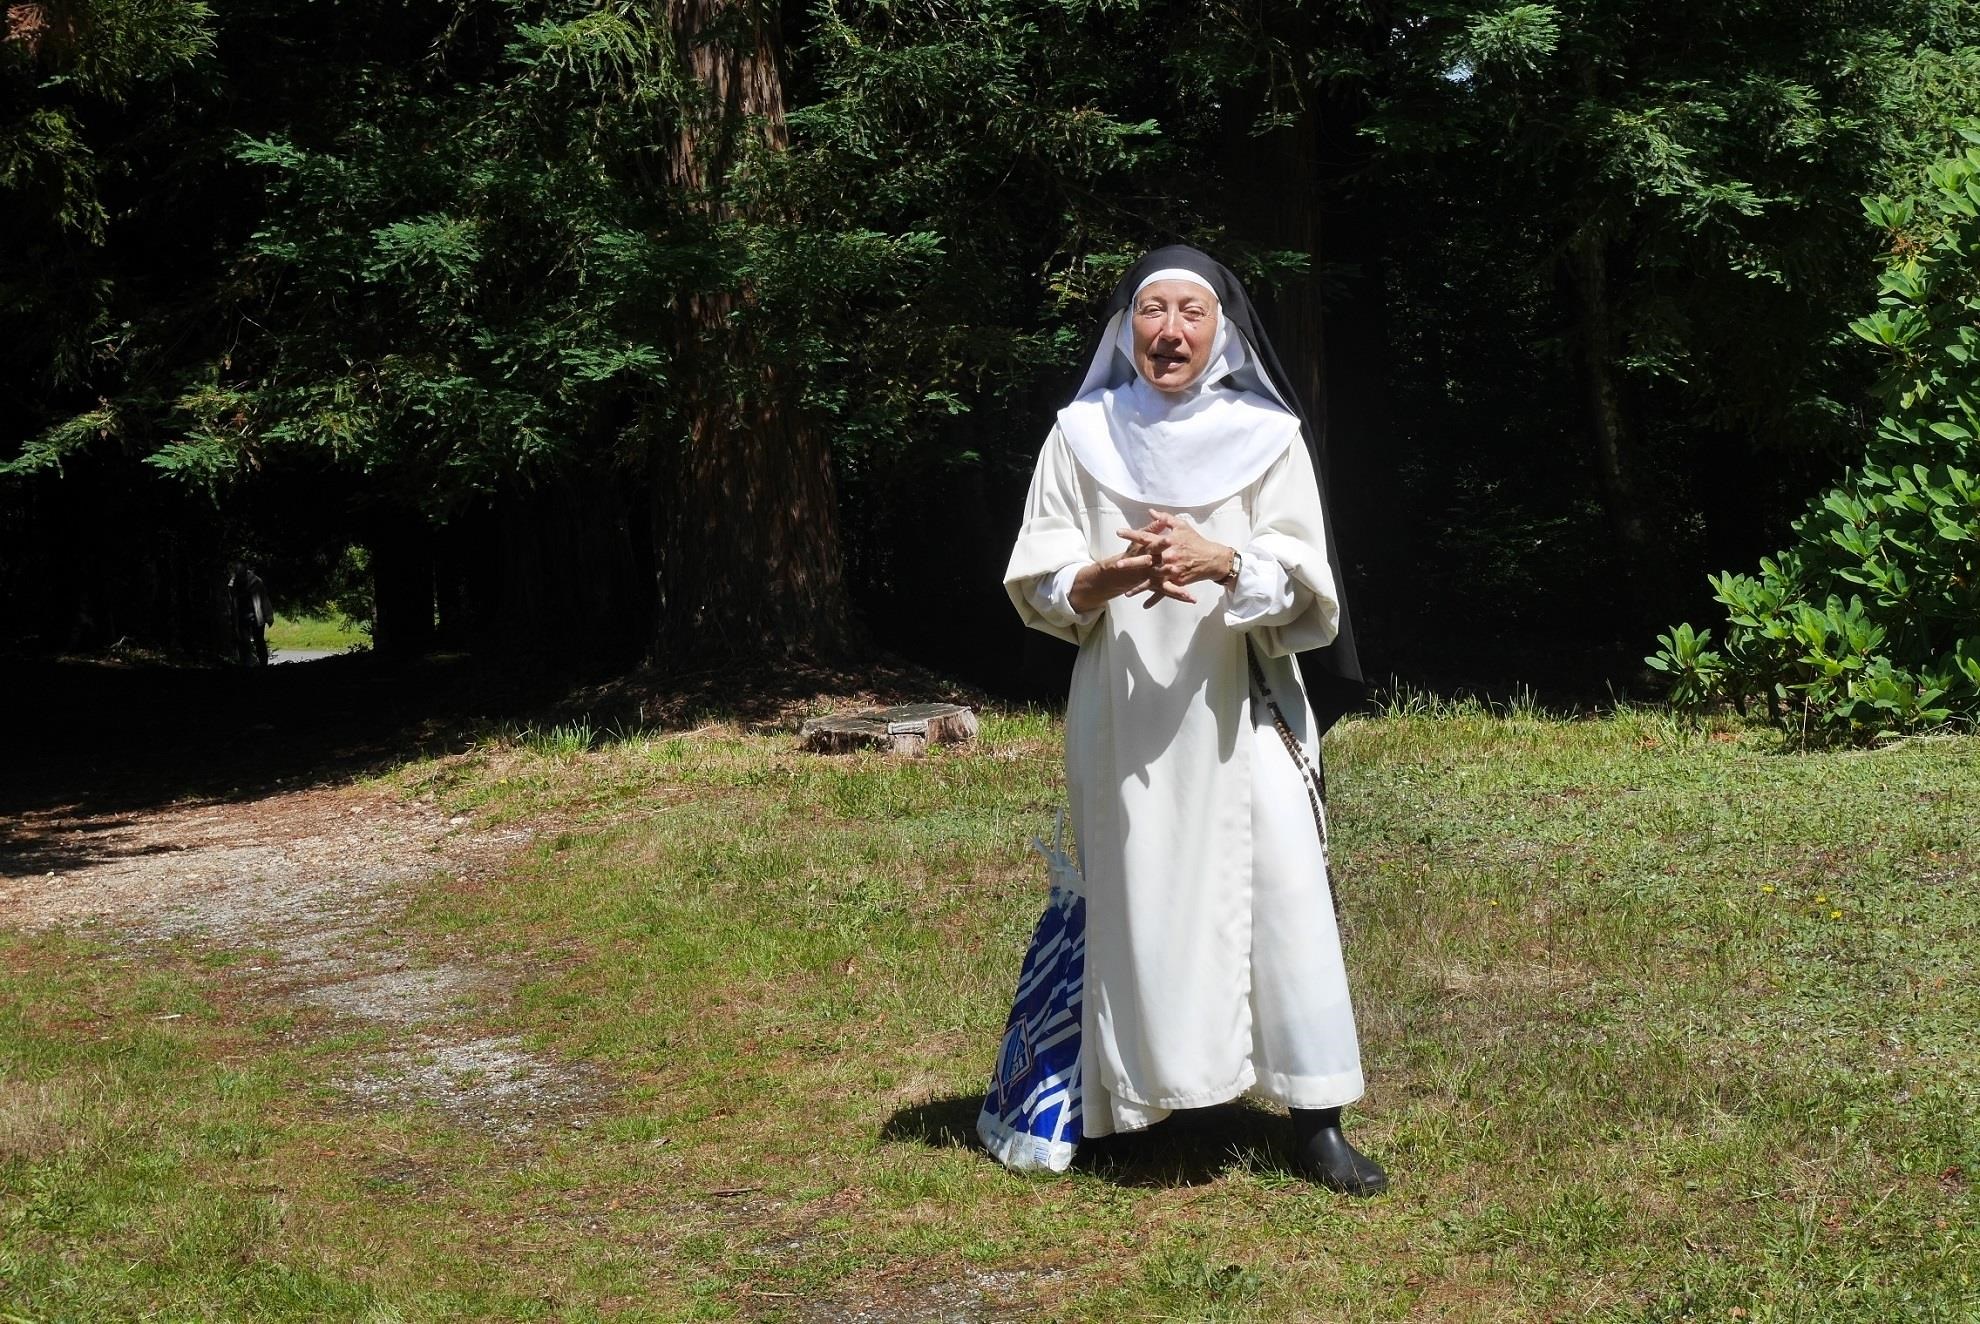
(1870, 622)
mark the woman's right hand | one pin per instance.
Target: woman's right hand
(1099, 582)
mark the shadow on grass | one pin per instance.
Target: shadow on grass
(1190, 1148)
(96, 741)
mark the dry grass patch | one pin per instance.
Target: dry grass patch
(34, 1119)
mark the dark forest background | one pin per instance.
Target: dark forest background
(620, 332)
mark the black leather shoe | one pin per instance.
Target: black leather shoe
(1325, 1155)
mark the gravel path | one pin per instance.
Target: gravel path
(308, 882)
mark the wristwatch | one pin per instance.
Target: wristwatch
(1237, 563)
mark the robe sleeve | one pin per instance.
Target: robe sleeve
(1052, 596)
(1265, 592)
(1287, 526)
(1050, 540)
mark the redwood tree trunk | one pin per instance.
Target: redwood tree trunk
(1273, 200)
(1609, 425)
(1600, 342)
(1380, 512)
(401, 547)
(745, 518)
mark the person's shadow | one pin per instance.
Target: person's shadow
(1189, 1148)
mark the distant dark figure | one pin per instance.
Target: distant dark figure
(253, 611)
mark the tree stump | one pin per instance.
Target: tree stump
(908, 728)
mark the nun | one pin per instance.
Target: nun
(1176, 532)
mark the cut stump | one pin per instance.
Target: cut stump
(908, 728)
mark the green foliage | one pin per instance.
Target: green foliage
(510, 297)
(439, 255)
(69, 77)
(78, 56)
(1694, 668)
(1870, 622)
(1195, 1288)
(1519, 40)
(1667, 191)
(962, 180)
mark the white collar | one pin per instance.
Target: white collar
(1176, 448)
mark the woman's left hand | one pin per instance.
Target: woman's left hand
(1181, 555)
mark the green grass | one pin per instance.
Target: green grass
(333, 631)
(1661, 1023)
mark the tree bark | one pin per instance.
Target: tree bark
(401, 547)
(1379, 515)
(1641, 590)
(1609, 427)
(745, 518)
(1273, 201)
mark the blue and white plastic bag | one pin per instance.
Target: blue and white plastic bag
(1030, 1120)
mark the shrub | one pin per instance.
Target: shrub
(1870, 622)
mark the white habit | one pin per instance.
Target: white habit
(1213, 962)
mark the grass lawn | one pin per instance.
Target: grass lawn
(1660, 1024)
(333, 631)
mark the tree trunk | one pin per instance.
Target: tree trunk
(1640, 593)
(401, 549)
(1273, 201)
(1609, 426)
(745, 518)
(1274, 197)
(1378, 515)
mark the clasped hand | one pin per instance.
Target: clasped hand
(1163, 555)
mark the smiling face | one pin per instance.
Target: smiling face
(1175, 322)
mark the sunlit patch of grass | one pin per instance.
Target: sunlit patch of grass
(1662, 1021)
(318, 632)
(161, 1164)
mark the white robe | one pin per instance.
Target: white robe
(1213, 963)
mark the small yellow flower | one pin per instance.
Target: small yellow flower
(1835, 914)
(1821, 900)
(1495, 903)
(1767, 887)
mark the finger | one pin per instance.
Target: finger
(1164, 589)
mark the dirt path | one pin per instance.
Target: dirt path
(306, 884)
